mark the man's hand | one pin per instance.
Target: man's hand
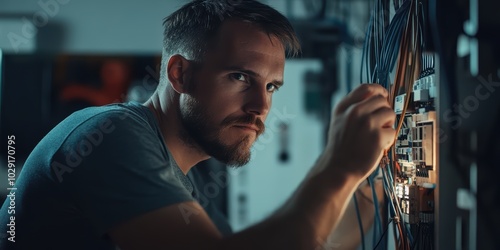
(360, 130)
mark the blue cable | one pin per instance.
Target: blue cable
(378, 221)
(360, 223)
(365, 54)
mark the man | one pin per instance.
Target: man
(115, 175)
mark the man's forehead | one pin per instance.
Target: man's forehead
(236, 36)
(244, 47)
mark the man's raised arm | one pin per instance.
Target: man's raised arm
(360, 130)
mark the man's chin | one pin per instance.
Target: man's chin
(237, 163)
(233, 157)
(230, 152)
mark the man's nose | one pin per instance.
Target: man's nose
(258, 102)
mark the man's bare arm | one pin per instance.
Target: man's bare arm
(347, 234)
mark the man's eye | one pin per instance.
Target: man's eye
(239, 77)
(272, 87)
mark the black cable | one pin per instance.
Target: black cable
(391, 44)
(396, 5)
(417, 237)
(383, 234)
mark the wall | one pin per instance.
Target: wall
(93, 26)
(90, 26)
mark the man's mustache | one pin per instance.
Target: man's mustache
(247, 120)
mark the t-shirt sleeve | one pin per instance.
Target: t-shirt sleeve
(114, 167)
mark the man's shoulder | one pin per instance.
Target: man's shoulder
(106, 118)
(116, 111)
(93, 124)
(106, 138)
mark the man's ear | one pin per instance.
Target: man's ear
(177, 67)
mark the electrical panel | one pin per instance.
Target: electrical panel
(415, 165)
(398, 54)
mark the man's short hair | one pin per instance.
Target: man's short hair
(190, 28)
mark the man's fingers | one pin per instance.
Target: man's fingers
(359, 94)
(387, 137)
(383, 120)
(370, 105)
(383, 117)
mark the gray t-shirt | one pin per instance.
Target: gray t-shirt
(99, 167)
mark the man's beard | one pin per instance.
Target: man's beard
(200, 131)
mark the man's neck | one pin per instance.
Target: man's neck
(185, 155)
